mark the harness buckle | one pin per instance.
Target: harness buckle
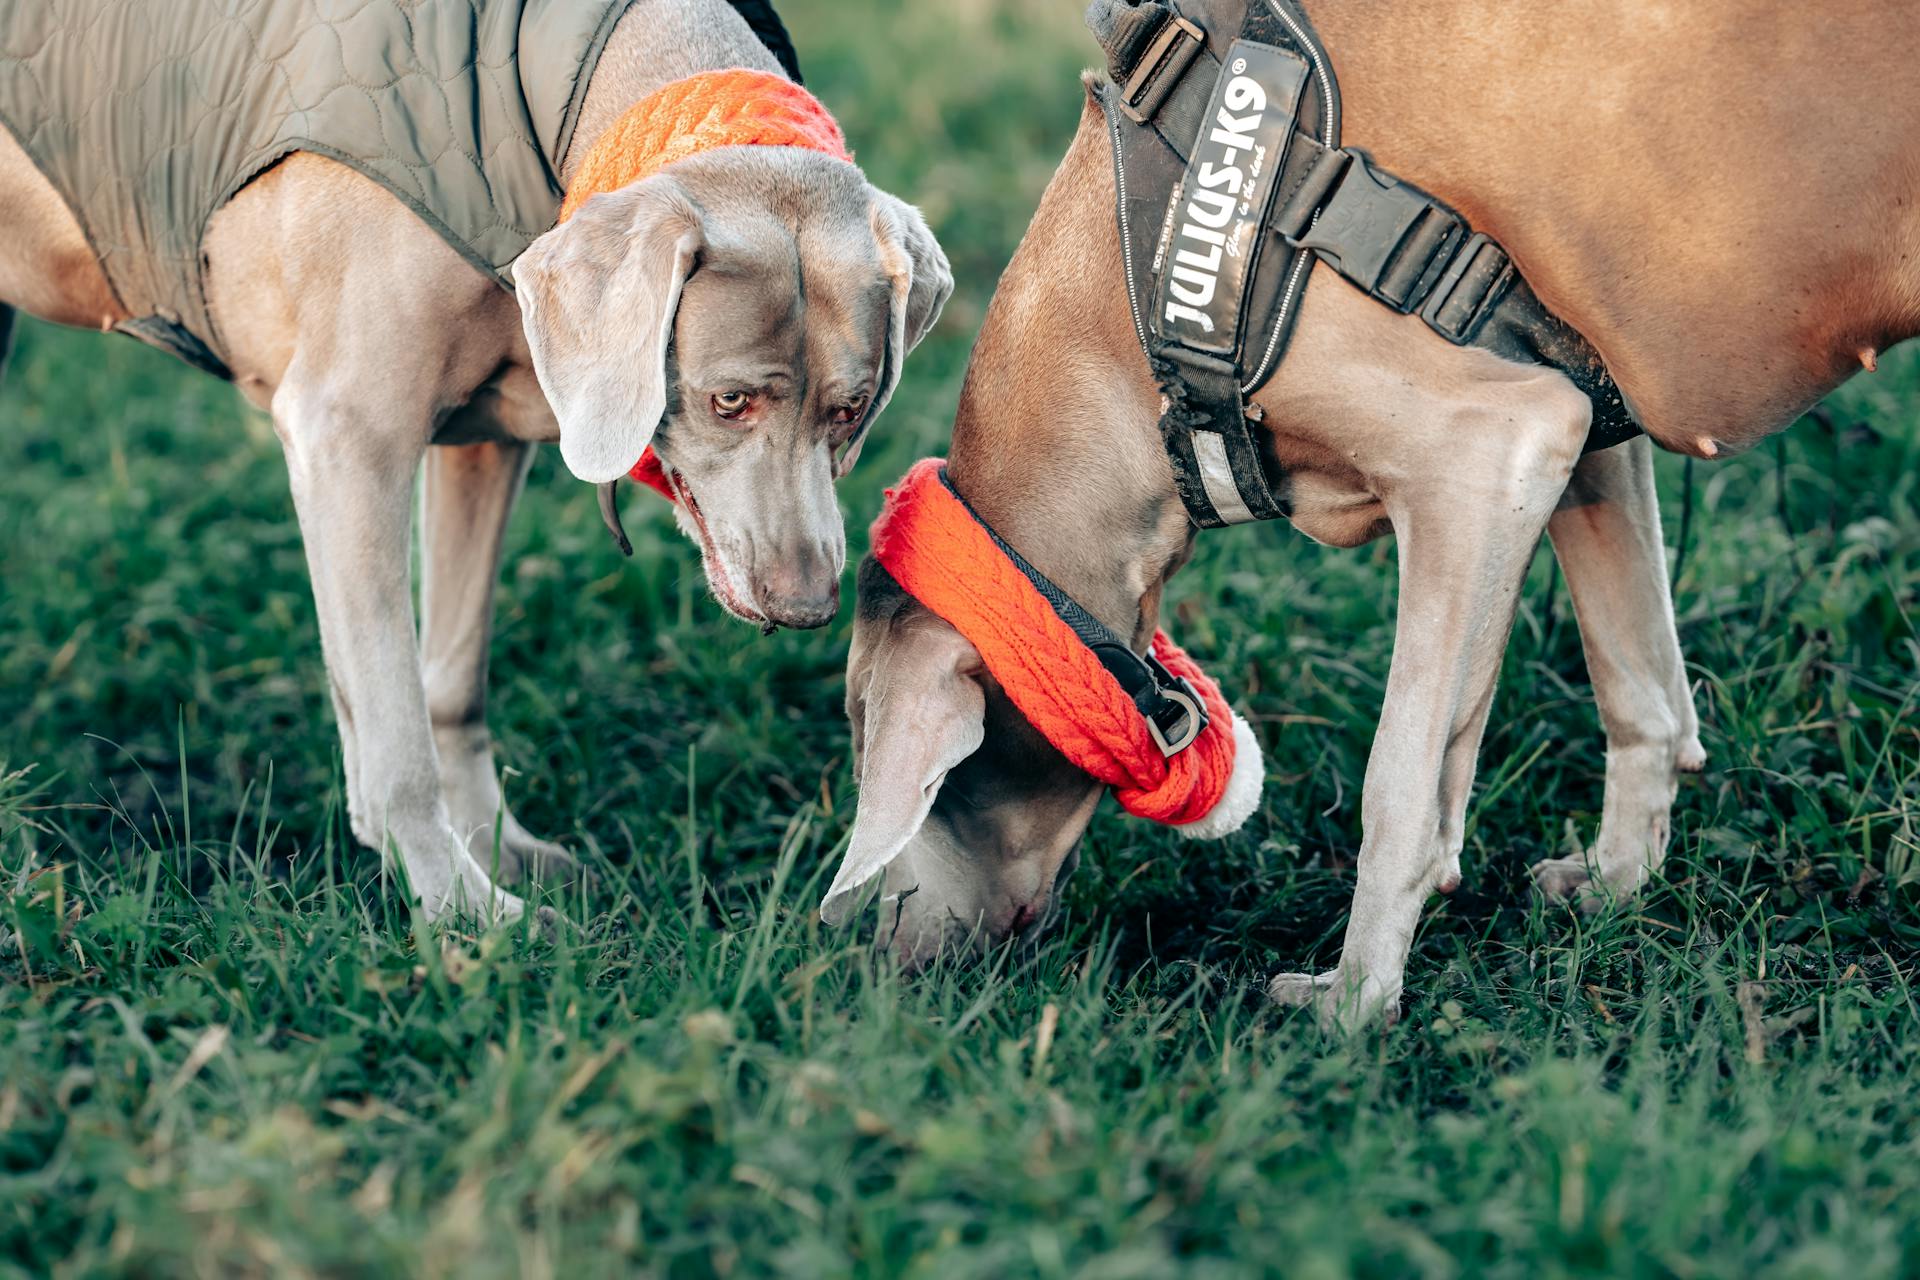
(1474, 283)
(1171, 52)
(1179, 716)
(1387, 236)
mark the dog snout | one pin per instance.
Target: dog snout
(799, 590)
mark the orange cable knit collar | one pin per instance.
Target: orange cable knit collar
(941, 555)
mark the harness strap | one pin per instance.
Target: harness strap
(771, 32)
(1412, 253)
(1213, 294)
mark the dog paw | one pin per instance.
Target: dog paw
(1691, 757)
(531, 858)
(1579, 882)
(523, 856)
(1558, 879)
(473, 902)
(548, 923)
(1338, 1003)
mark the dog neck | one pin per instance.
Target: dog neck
(1055, 440)
(652, 45)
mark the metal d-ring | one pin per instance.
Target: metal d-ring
(1192, 723)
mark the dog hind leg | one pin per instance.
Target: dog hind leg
(1607, 537)
(468, 495)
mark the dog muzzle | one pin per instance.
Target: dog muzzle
(1151, 726)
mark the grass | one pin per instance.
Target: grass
(226, 1047)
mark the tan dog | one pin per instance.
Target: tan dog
(753, 304)
(1724, 198)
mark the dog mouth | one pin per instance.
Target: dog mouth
(733, 596)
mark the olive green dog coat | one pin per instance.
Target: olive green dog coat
(149, 115)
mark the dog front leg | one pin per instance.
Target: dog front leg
(467, 496)
(1465, 538)
(1607, 536)
(352, 479)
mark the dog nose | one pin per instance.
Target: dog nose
(1029, 914)
(801, 592)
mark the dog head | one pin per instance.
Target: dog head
(972, 818)
(745, 312)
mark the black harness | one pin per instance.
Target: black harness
(1230, 182)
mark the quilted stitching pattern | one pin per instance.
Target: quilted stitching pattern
(147, 115)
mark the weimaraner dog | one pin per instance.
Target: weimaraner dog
(1724, 199)
(746, 310)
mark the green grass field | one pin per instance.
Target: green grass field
(225, 1047)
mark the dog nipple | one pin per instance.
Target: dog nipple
(1707, 446)
(1869, 359)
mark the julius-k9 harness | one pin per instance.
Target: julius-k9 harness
(1231, 183)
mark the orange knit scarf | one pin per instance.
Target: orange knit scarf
(939, 554)
(732, 108)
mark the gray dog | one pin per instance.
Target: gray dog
(331, 208)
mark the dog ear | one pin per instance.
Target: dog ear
(922, 282)
(598, 295)
(918, 708)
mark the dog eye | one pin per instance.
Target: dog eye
(850, 411)
(731, 404)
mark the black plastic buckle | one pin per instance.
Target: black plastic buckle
(1179, 715)
(1474, 283)
(1174, 47)
(1390, 238)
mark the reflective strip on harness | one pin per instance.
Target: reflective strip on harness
(1216, 473)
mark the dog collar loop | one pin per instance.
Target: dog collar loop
(1179, 716)
(1154, 727)
(1175, 713)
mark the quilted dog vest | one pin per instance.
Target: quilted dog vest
(149, 115)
